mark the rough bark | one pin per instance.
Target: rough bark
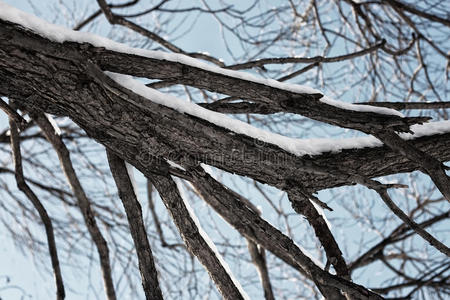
(254, 228)
(60, 79)
(133, 210)
(195, 242)
(83, 201)
(304, 206)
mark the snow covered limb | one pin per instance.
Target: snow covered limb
(191, 141)
(47, 69)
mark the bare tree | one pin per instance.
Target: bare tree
(250, 158)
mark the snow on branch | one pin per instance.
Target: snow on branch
(61, 34)
(297, 147)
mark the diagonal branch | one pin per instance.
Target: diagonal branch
(409, 105)
(157, 223)
(97, 106)
(411, 9)
(259, 260)
(83, 201)
(98, 12)
(257, 253)
(14, 115)
(116, 19)
(400, 233)
(432, 166)
(414, 226)
(304, 206)
(253, 227)
(137, 227)
(196, 241)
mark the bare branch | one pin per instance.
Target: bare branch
(83, 201)
(303, 206)
(409, 105)
(315, 59)
(137, 227)
(116, 19)
(21, 184)
(420, 13)
(416, 227)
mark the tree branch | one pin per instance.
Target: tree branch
(416, 227)
(303, 206)
(315, 59)
(133, 210)
(409, 105)
(83, 202)
(411, 9)
(22, 185)
(192, 236)
(116, 19)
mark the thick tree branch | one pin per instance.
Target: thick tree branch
(432, 166)
(305, 104)
(250, 225)
(95, 103)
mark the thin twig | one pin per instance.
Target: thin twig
(414, 226)
(315, 59)
(115, 19)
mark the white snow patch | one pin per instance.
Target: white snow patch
(297, 147)
(361, 108)
(54, 124)
(322, 213)
(62, 34)
(209, 170)
(208, 241)
(130, 171)
(175, 165)
(310, 256)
